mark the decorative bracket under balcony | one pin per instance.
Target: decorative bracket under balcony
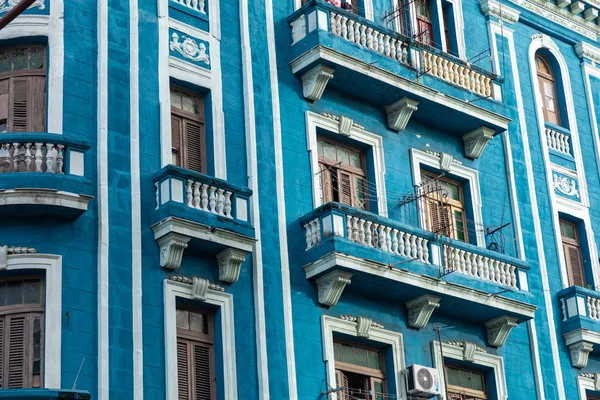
(420, 310)
(579, 353)
(498, 330)
(172, 246)
(230, 264)
(399, 113)
(475, 141)
(331, 286)
(315, 80)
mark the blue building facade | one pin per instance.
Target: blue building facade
(206, 199)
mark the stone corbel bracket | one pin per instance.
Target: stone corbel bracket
(420, 310)
(498, 330)
(399, 113)
(330, 286)
(579, 353)
(230, 264)
(476, 141)
(315, 80)
(172, 246)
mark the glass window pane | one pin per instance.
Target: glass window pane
(19, 60)
(5, 62)
(374, 360)
(183, 321)
(320, 147)
(343, 156)
(378, 389)
(465, 379)
(32, 292)
(175, 99)
(3, 294)
(337, 352)
(453, 191)
(359, 185)
(355, 159)
(198, 322)
(360, 356)
(189, 104)
(15, 292)
(453, 377)
(36, 58)
(567, 230)
(477, 381)
(347, 356)
(329, 151)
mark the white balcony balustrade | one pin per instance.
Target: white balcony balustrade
(32, 157)
(558, 141)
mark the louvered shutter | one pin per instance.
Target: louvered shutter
(195, 144)
(345, 187)
(2, 332)
(20, 111)
(176, 150)
(183, 370)
(37, 102)
(15, 366)
(325, 181)
(202, 372)
(439, 218)
(574, 265)
(4, 99)
(342, 382)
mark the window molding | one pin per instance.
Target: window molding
(431, 159)
(587, 381)
(174, 289)
(340, 125)
(329, 325)
(52, 265)
(478, 357)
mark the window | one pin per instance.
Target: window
(21, 333)
(188, 135)
(343, 174)
(424, 23)
(465, 384)
(195, 355)
(572, 253)
(444, 206)
(359, 371)
(547, 90)
(23, 89)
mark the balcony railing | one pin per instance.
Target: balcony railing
(386, 42)
(389, 236)
(558, 139)
(41, 152)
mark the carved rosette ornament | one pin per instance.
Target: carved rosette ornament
(399, 113)
(579, 353)
(476, 141)
(315, 81)
(565, 185)
(230, 264)
(189, 48)
(498, 330)
(172, 246)
(330, 286)
(420, 310)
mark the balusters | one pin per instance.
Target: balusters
(188, 193)
(198, 196)
(361, 231)
(395, 241)
(368, 236)
(16, 157)
(349, 227)
(401, 243)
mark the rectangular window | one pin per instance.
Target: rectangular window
(188, 134)
(23, 89)
(343, 174)
(444, 206)
(195, 354)
(359, 371)
(572, 253)
(424, 23)
(21, 333)
(465, 384)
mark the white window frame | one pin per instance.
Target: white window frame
(173, 290)
(584, 384)
(418, 158)
(480, 358)
(52, 266)
(171, 67)
(329, 325)
(314, 121)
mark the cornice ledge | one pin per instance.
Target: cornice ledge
(502, 12)
(586, 50)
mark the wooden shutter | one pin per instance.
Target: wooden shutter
(20, 112)
(176, 150)
(4, 99)
(342, 382)
(439, 218)
(183, 372)
(195, 145)
(202, 372)
(15, 366)
(345, 187)
(574, 265)
(326, 187)
(37, 102)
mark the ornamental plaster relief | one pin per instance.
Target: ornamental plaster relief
(564, 185)
(10, 4)
(189, 48)
(363, 324)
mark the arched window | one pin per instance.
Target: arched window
(547, 90)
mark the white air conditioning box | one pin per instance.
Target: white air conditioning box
(423, 381)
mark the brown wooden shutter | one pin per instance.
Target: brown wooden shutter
(195, 146)
(4, 99)
(345, 187)
(439, 218)
(574, 265)
(37, 101)
(15, 352)
(202, 372)
(176, 125)
(20, 112)
(326, 188)
(342, 382)
(183, 371)
(2, 321)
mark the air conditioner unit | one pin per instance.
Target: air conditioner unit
(423, 381)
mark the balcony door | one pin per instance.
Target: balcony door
(424, 23)
(547, 90)
(572, 253)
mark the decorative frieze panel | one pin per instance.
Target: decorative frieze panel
(565, 186)
(420, 310)
(498, 330)
(10, 4)
(190, 49)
